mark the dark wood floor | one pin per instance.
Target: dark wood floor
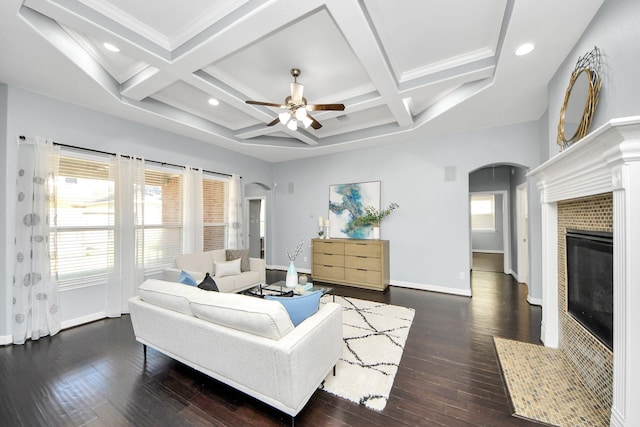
(95, 374)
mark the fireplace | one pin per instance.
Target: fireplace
(606, 161)
(590, 281)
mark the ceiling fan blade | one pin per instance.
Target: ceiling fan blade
(314, 124)
(268, 104)
(275, 121)
(324, 107)
(296, 91)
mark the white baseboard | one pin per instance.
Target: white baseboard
(410, 285)
(534, 301)
(487, 251)
(82, 320)
(6, 339)
(432, 288)
(286, 267)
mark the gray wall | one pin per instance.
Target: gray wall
(429, 233)
(34, 115)
(615, 30)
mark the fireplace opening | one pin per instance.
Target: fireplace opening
(590, 282)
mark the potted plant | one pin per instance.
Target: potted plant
(373, 217)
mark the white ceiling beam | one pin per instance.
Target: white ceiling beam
(354, 25)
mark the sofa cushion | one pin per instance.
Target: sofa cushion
(217, 255)
(208, 284)
(299, 307)
(243, 254)
(226, 284)
(170, 295)
(228, 268)
(186, 279)
(195, 262)
(249, 314)
(247, 279)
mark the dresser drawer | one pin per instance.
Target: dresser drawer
(335, 248)
(362, 262)
(362, 276)
(362, 249)
(328, 259)
(327, 272)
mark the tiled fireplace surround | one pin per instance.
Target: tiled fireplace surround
(599, 173)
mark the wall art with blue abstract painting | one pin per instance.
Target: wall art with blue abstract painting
(346, 203)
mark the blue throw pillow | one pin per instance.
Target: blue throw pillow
(299, 307)
(186, 279)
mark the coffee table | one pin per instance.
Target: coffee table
(280, 288)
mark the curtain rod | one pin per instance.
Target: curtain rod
(23, 138)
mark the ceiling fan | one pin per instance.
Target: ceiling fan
(298, 109)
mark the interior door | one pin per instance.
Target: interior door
(523, 233)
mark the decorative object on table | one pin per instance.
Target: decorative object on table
(372, 217)
(302, 280)
(292, 274)
(581, 99)
(300, 289)
(321, 233)
(374, 337)
(346, 203)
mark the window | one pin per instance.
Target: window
(162, 218)
(83, 232)
(214, 193)
(483, 212)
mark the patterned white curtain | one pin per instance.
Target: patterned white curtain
(235, 237)
(128, 203)
(192, 212)
(36, 312)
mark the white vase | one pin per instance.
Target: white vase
(376, 232)
(292, 276)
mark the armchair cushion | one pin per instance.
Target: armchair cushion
(243, 254)
(229, 268)
(195, 262)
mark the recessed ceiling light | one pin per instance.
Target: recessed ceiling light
(525, 49)
(111, 47)
(213, 101)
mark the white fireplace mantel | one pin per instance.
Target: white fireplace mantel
(606, 160)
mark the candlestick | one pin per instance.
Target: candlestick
(319, 221)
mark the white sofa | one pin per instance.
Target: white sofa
(198, 264)
(246, 342)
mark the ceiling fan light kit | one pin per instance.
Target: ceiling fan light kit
(296, 104)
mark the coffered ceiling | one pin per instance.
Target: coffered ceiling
(403, 67)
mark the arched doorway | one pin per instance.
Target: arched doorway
(501, 187)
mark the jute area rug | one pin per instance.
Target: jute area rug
(543, 386)
(374, 338)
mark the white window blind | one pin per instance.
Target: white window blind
(84, 227)
(483, 212)
(162, 218)
(215, 195)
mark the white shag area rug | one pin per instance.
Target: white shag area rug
(374, 338)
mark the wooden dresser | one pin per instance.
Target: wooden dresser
(359, 263)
